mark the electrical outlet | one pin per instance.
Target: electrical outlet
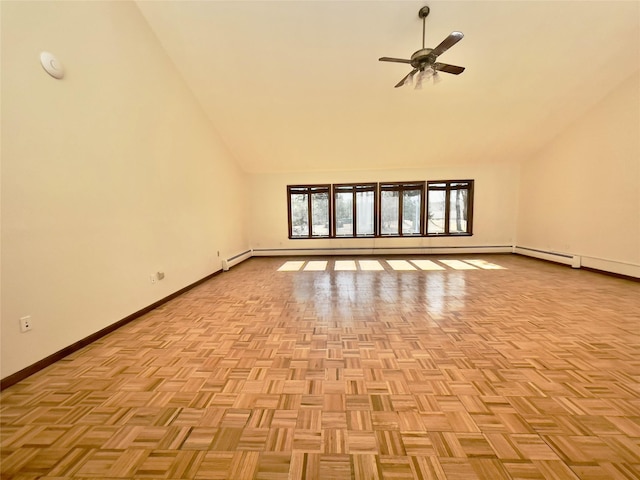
(153, 278)
(218, 252)
(26, 324)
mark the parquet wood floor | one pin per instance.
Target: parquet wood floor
(527, 372)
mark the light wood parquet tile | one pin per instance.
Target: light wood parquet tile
(529, 371)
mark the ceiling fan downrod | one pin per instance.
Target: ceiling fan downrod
(423, 13)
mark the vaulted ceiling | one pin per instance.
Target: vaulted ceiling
(297, 85)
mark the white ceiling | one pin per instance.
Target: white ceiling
(297, 85)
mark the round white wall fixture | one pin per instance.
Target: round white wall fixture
(51, 64)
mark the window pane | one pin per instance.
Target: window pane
(320, 214)
(389, 208)
(299, 215)
(458, 211)
(344, 214)
(365, 213)
(435, 216)
(411, 200)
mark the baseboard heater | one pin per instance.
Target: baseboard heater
(574, 261)
(236, 259)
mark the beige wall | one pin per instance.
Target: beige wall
(494, 207)
(108, 176)
(581, 194)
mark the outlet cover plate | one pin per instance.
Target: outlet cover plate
(25, 324)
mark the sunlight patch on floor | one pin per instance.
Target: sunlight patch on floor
(396, 264)
(345, 265)
(291, 266)
(427, 265)
(316, 266)
(485, 265)
(400, 265)
(370, 265)
(458, 265)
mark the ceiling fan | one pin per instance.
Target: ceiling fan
(424, 60)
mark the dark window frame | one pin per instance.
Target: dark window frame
(354, 188)
(309, 190)
(449, 186)
(424, 186)
(401, 187)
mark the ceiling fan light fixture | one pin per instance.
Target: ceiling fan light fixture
(418, 83)
(409, 81)
(425, 75)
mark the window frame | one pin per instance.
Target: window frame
(354, 189)
(309, 190)
(448, 188)
(401, 187)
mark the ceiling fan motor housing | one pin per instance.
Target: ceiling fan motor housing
(422, 57)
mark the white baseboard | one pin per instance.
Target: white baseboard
(612, 266)
(577, 261)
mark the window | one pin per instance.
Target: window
(450, 207)
(392, 209)
(401, 209)
(354, 210)
(309, 211)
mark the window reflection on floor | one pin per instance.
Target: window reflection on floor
(389, 264)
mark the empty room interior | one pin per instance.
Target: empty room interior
(320, 239)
